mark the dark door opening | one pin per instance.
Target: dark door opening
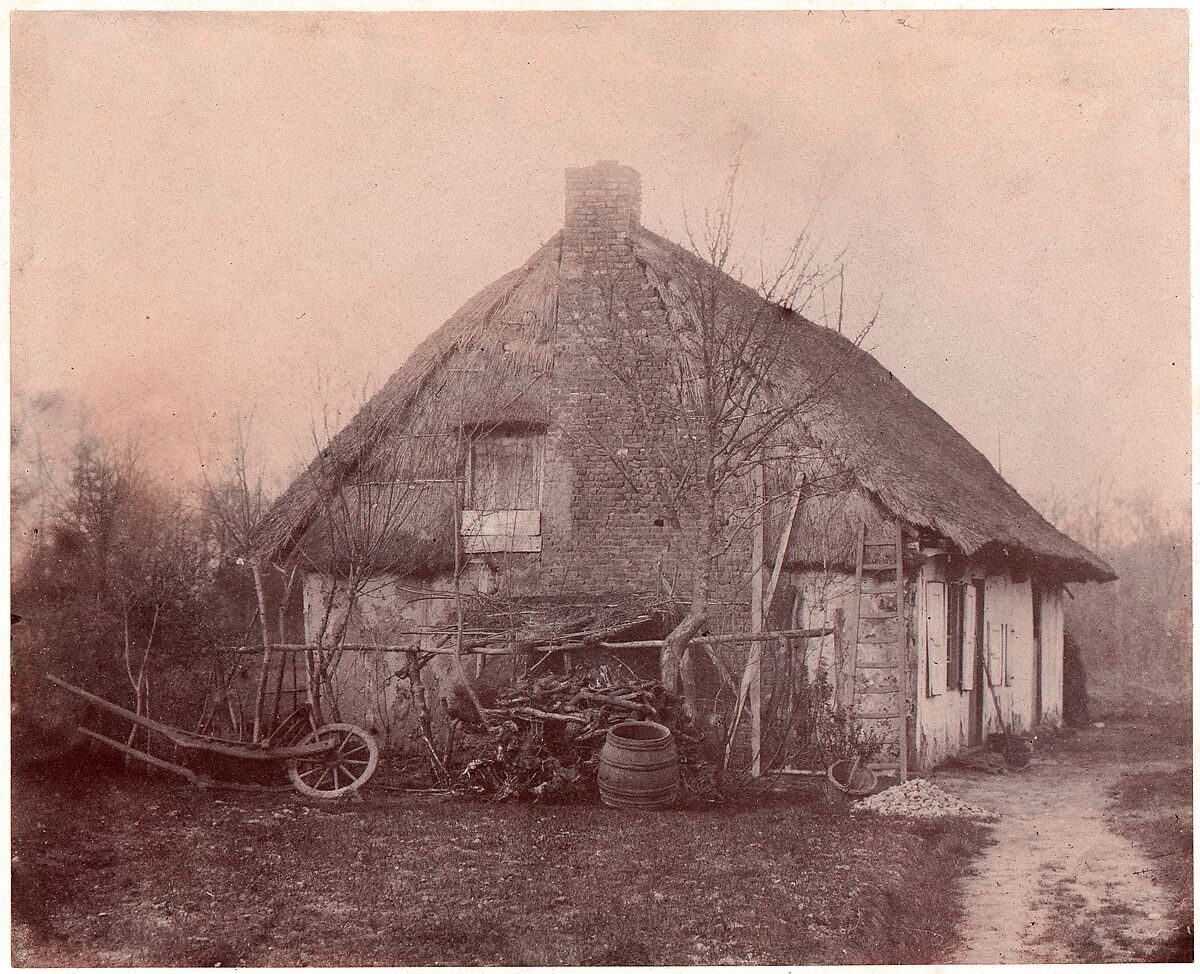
(975, 711)
(1037, 651)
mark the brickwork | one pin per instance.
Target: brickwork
(603, 201)
(599, 532)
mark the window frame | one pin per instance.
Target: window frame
(502, 529)
(538, 456)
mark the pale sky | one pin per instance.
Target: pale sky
(213, 213)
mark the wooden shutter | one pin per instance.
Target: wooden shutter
(505, 473)
(1009, 639)
(972, 600)
(935, 638)
(995, 654)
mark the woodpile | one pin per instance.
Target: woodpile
(543, 737)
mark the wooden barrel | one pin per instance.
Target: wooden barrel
(638, 766)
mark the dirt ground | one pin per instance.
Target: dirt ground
(1091, 861)
(1093, 854)
(126, 871)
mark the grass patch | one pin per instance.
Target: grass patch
(1154, 810)
(1064, 927)
(133, 871)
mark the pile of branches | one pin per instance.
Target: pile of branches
(543, 736)
(539, 620)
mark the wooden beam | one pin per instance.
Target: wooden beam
(785, 539)
(734, 637)
(902, 652)
(758, 612)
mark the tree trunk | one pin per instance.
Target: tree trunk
(676, 675)
(460, 668)
(260, 692)
(280, 627)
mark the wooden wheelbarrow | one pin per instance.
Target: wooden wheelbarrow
(326, 761)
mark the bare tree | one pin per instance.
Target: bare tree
(1134, 632)
(236, 503)
(720, 394)
(122, 584)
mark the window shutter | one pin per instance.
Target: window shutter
(995, 654)
(504, 473)
(935, 637)
(1008, 670)
(972, 597)
(501, 510)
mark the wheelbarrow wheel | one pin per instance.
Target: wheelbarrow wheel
(345, 769)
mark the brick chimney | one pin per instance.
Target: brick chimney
(604, 199)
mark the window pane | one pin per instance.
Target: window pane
(505, 473)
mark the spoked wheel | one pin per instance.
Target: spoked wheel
(343, 770)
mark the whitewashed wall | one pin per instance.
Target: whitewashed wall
(942, 716)
(368, 688)
(822, 594)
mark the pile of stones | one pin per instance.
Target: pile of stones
(920, 798)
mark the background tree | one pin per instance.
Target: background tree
(122, 586)
(1134, 633)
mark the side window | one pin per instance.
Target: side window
(994, 651)
(935, 638)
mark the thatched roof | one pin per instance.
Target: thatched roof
(487, 366)
(492, 362)
(912, 463)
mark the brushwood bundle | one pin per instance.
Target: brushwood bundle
(543, 736)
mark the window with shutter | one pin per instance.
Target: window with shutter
(973, 634)
(503, 493)
(935, 638)
(505, 473)
(995, 654)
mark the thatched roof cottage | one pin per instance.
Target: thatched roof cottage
(504, 446)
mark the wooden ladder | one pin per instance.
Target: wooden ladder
(876, 625)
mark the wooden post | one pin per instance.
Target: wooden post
(850, 681)
(785, 538)
(839, 622)
(757, 622)
(902, 652)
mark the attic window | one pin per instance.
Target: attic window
(503, 496)
(504, 472)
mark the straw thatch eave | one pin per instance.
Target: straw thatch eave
(910, 461)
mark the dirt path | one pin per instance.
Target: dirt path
(1059, 885)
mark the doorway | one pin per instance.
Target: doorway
(1037, 650)
(975, 705)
